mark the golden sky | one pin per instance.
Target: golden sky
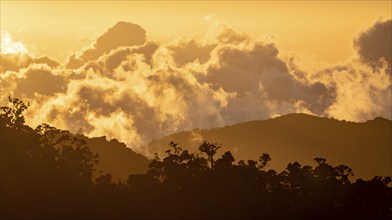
(313, 31)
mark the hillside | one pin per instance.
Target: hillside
(365, 147)
(115, 158)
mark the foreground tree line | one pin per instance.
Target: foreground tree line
(46, 173)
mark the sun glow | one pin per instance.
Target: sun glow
(8, 46)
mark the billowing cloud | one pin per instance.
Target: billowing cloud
(120, 35)
(187, 51)
(9, 46)
(363, 92)
(136, 90)
(15, 62)
(46, 60)
(39, 80)
(375, 43)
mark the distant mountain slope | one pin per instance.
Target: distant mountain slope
(365, 147)
(115, 158)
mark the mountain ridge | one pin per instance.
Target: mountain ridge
(364, 146)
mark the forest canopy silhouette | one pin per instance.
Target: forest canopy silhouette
(47, 173)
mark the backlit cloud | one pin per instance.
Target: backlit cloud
(136, 90)
(9, 46)
(120, 35)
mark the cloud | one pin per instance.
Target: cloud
(15, 62)
(363, 92)
(255, 74)
(135, 90)
(375, 43)
(36, 80)
(9, 46)
(114, 58)
(186, 51)
(120, 35)
(39, 80)
(46, 60)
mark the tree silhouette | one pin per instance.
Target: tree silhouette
(210, 150)
(264, 159)
(225, 162)
(46, 173)
(13, 115)
(41, 166)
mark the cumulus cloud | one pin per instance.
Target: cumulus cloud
(375, 43)
(363, 92)
(39, 80)
(136, 90)
(9, 46)
(15, 62)
(189, 50)
(35, 81)
(120, 35)
(46, 60)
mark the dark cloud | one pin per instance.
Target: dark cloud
(46, 60)
(114, 59)
(259, 70)
(120, 35)
(375, 43)
(190, 50)
(240, 69)
(39, 80)
(15, 62)
(74, 62)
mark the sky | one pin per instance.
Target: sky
(137, 71)
(314, 31)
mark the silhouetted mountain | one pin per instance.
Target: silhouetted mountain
(115, 158)
(365, 147)
(47, 173)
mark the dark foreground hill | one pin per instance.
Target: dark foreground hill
(117, 159)
(47, 173)
(365, 147)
